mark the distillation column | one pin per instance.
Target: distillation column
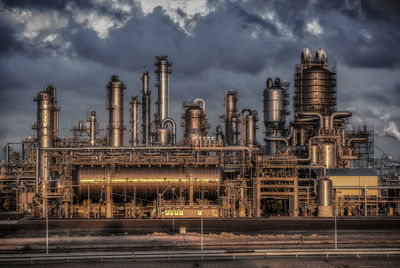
(92, 128)
(135, 120)
(162, 71)
(116, 130)
(146, 104)
(231, 118)
(115, 106)
(46, 128)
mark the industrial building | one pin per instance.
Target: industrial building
(309, 166)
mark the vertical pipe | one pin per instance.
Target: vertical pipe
(146, 104)
(92, 128)
(231, 117)
(135, 120)
(162, 70)
(116, 111)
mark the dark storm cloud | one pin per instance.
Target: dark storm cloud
(235, 46)
(384, 96)
(7, 40)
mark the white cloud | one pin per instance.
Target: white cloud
(30, 24)
(314, 27)
(190, 7)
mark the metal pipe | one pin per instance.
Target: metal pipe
(92, 128)
(356, 139)
(135, 120)
(203, 103)
(173, 126)
(338, 115)
(115, 106)
(321, 119)
(283, 139)
(142, 148)
(146, 107)
(242, 121)
(162, 70)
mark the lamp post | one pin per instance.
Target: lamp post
(202, 205)
(47, 228)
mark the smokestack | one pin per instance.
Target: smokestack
(162, 71)
(115, 106)
(146, 104)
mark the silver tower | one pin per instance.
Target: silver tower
(162, 70)
(115, 106)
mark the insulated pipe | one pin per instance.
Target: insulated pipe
(321, 119)
(242, 125)
(355, 139)
(92, 128)
(135, 120)
(338, 115)
(283, 139)
(173, 125)
(203, 103)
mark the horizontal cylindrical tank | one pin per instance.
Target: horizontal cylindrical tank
(328, 155)
(146, 180)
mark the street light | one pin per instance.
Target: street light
(202, 205)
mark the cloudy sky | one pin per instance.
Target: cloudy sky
(214, 45)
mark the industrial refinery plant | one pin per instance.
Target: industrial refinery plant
(310, 166)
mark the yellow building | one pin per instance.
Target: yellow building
(357, 178)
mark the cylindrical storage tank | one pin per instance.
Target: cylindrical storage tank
(315, 85)
(325, 198)
(319, 93)
(250, 130)
(145, 180)
(274, 110)
(314, 155)
(116, 111)
(274, 105)
(193, 117)
(162, 136)
(328, 155)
